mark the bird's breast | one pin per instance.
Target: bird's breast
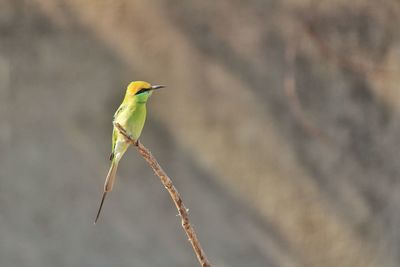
(132, 120)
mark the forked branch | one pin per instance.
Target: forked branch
(166, 181)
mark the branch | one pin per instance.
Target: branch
(356, 64)
(166, 181)
(289, 86)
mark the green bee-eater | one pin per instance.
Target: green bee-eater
(131, 115)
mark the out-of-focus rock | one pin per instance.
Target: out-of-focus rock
(319, 163)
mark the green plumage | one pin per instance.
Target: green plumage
(131, 115)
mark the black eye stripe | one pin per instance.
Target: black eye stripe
(142, 90)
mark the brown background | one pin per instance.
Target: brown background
(273, 174)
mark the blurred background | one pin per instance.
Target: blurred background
(280, 128)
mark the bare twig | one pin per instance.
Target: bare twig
(358, 65)
(166, 181)
(289, 86)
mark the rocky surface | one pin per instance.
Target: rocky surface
(274, 175)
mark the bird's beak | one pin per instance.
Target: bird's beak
(156, 87)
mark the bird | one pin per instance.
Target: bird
(131, 116)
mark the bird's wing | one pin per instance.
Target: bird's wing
(113, 140)
(115, 131)
(121, 108)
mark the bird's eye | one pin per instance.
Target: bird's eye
(142, 90)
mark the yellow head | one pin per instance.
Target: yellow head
(141, 90)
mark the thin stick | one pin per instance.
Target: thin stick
(166, 181)
(289, 86)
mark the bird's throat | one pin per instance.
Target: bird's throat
(142, 98)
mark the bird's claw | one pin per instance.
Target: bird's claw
(127, 136)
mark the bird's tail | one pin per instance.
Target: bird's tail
(112, 173)
(108, 185)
